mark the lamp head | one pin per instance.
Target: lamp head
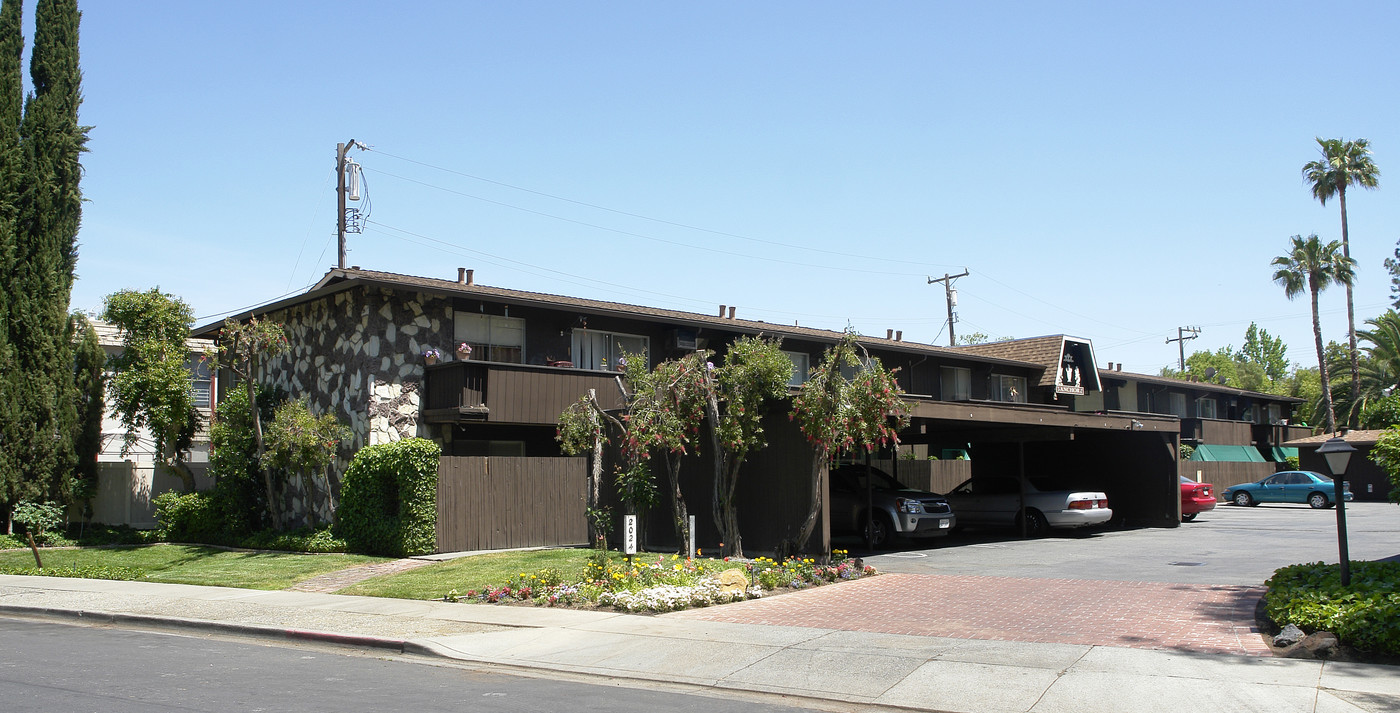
(1337, 453)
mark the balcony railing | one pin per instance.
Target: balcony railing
(465, 391)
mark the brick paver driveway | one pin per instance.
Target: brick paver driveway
(1191, 588)
(1152, 615)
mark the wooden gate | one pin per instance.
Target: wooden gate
(502, 503)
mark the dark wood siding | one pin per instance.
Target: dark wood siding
(502, 503)
(512, 393)
(1223, 474)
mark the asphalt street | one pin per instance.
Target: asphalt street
(1228, 545)
(58, 667)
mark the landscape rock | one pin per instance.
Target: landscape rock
(1289, 636)
(1322, 644)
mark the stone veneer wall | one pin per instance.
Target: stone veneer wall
(357, 354)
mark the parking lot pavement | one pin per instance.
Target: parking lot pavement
(1228, 545)
(1215, 619)
(1192, 588)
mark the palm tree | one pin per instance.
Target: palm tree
(1313, 266)
(1343, 163)
(1380, 362)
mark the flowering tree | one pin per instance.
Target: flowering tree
(755, 372)
(668, 406)
(241, 349)
(838, 414)
(304, 444)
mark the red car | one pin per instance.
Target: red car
(1195, 498)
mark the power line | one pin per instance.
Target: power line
(662, 221)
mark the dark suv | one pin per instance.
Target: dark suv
(899, 511)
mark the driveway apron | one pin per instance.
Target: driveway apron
(1203, 618)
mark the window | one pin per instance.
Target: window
(495, 449)
(199, 381)
(800, 368)
(955, 384)
(1275, 414)
(1205, 408)
(492, 338)
(1177, 405)
(1008, 388)
(601, 350)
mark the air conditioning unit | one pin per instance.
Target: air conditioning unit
(683, 339)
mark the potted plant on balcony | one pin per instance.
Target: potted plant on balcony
(464, 351)
(431, 356)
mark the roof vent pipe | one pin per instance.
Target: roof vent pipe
(471, 280)
(721, 310)
(731, 312)
(461, 275)
(1120, 366)
(889, 334)
(899, 335)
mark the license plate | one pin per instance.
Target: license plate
(942, 524)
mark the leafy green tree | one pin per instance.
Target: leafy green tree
(240, 348)
(836, 413)
(90, 379)
(1386, 454)
(1343, 164)
(1266, 350)
(582, 428)
(1379, 366)
(40, 208)
(11, 93)
(151, 387)
(1381, 413)
(1392, 266)
(304, 444)
(738, 395)
(233, 463)
(1312, 266)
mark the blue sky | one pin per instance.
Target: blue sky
(1106, 170)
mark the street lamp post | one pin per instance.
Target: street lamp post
(1337, 453)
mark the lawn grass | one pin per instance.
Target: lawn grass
(185, 564)
(474, 572)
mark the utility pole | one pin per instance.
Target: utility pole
(952, 296)
(1181, 340)
(340, 151)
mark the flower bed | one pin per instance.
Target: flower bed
(665, 583)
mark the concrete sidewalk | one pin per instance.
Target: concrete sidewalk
(827, 668)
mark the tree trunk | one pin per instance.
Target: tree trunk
(1322, 363)
(733, 539)
(678, 508)
(1354, 417)
(718, 503)
(819, 462)
(272, 507)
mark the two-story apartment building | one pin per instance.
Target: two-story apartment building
(358, 339)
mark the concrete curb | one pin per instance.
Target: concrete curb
(170, 622)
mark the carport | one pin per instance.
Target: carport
(1131, 457)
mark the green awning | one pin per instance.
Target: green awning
(1281, 455)
(1234, 454)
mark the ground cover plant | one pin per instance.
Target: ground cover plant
(1365, 615)
(184, 564)
(594, 578)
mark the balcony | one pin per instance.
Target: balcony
(495, 392)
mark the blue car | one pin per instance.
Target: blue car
(1291, 486)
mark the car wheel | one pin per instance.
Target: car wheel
(1189, 518)
(879, 532)
(1317, 501)
(1036, 524)
(1244, 499)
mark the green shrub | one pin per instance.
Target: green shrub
(39, 519)
(239, 490)
(10, 542)
(304, 540)
(190, 517)
(91, 571)
(388, 500)
(1365, 615)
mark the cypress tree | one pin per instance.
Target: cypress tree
(49, 210)
(90, 377)
(11, 93)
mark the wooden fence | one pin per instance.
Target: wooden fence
(934, 476)
(1223, 474)
(502, 503)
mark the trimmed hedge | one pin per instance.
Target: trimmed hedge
(388, 500)
(1365, 615)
